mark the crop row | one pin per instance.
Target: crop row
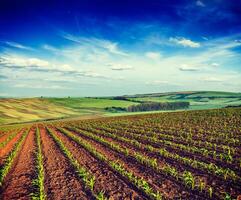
(185, 177)
(178, 137)
(10, 158)
(226, 173)
(10, 137)
(39, 180)
(140, 183)
(212, 134)
(87, 178)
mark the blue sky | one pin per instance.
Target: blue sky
(102, 47)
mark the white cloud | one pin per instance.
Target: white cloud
(120, 67)
(153, 55)
(200, 3)
(36, 64)
(186, 67)
(214, 64)
(39, 86)
(184, 42)
(18, 62)
(111, 47)
(50, 48)
(17, 45)
(156, 82)
(211, 79)
(85, 61)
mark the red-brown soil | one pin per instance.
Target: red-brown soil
(61, 181)
(18, 184)
(106, 180)
(5, 135)
(166, 186)
(9, 147)
(209, 179)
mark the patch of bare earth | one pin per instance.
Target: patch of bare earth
(18, 184)
(9, 147)
(61, 181)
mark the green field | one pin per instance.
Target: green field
(32, 109)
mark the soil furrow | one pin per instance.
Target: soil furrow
(4, 136)
(167, 187)
(61, 180)
(18, 184)
(213, 181)
(9, 146)
(106, 180)
(196, 156)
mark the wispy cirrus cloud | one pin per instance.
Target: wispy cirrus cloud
(200, 3)
(120, 67)
(188, 68)
(40, 65)
(17, 45)
(212, 79)
(184, 42)
(157, 82)
(107, 45)
(153, 55)
(40, 86)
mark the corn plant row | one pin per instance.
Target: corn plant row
(189, 181)
(225, 173)
(211, 136)
(10, 137)
(174, 123)
(39, 181)
(178, 136)
(206, 149)
(227, 157)
(218, 157)
(140, 183)
(10, 158)
(88, 179)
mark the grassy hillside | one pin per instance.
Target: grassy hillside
(20, 110)
(32, 109)
(198, 100)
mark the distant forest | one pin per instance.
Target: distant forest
(149, 106)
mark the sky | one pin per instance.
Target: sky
(105, 47)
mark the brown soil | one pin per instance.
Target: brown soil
(166, 186)
(198, 156)
(4, 136)
(18, 184)
(106, 180)
(210, 180)
(61, 180)
(8, 148)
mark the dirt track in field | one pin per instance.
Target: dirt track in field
(61, 181)
(18, 184)
(8, 148)
(106, 179)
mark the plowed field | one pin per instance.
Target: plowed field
(180, 155)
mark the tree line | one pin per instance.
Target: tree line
(149, 106)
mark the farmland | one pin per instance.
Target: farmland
(171, 155)
(18, 110)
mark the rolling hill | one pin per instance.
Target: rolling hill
(16, 110)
